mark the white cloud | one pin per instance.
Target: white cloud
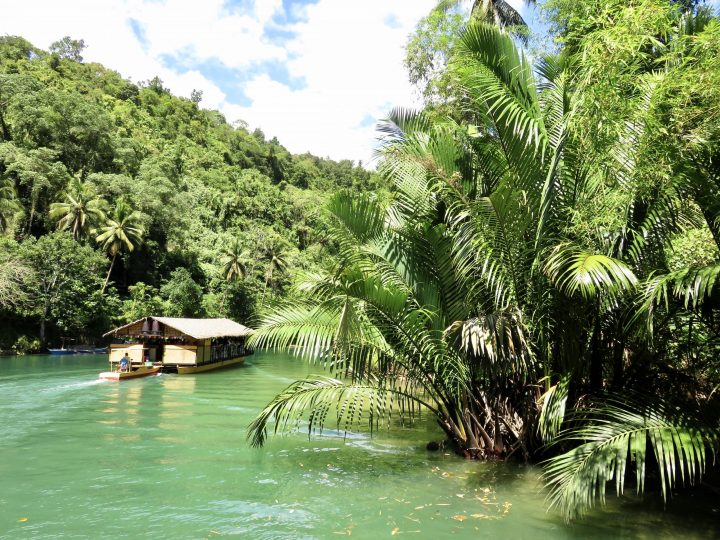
(208, 30)
(349, 59)
(352, 63)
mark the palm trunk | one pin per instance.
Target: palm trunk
(596, 360)
(107, 278)
(267, 280)
(467, 433)
(32, 217)
(619, 354)
(42, 327)
(4, 129)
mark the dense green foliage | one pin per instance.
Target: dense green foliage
(431, 45)
(152, 192)
(544, 280)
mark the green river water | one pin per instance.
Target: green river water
(166, 457)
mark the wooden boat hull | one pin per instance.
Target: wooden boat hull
(121, 376)
(187, 370)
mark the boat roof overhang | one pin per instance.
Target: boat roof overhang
(179, 327)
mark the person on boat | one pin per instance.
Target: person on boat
(125, 363)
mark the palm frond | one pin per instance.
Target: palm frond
(361, 215)
(400, 122)
(574, 270)
(552, 412)
(500, 339)
(617, 433)
(315, 398)
(491, 67)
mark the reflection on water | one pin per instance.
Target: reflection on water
(166, 457)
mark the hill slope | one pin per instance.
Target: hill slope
(208, 195)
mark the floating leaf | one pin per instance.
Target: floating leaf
(395, 531)
(460, 517)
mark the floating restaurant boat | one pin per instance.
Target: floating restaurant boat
(179, 345)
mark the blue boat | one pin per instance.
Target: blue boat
(62, 351)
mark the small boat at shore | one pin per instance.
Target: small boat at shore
(89, 349)
(134, 373)
(61, 352)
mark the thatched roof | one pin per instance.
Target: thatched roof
(195, 328)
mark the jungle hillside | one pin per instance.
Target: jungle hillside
(119, 199)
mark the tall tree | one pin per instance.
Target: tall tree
(68, 48)
(38, 175)
(498, 12)
(123, 231)
(9, 205)
(275, 253)
(63, 284)
(15, 277)
(183, 295)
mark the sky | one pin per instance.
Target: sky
(316, 74)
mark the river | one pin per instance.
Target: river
(166, 457)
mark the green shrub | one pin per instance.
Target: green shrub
(26, 345)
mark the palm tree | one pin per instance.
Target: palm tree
(383, 319)
(498, 12)
(431, 47)
(489, 278)
(275, 254)
(448, 281)
(122, 231)
(79, 213)
(234, 260)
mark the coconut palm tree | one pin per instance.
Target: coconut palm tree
(122, 231)
(79, 213)
(234, 260)
(276, 256)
